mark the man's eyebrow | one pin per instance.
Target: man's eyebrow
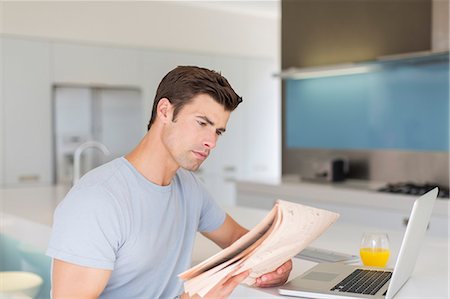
(206, 119)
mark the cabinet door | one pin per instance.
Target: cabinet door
(2, 116)
(95, 65)
(27, 113)
(262, 121)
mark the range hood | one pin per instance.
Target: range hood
(334, 38)
(380, 63)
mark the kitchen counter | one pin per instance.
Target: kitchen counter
(26, 215)
(356, 201)
(350, 192)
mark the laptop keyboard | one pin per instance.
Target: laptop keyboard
(363, 282)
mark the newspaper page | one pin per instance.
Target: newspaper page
(285, 231)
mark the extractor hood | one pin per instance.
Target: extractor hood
(380, 63)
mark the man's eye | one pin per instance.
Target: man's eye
(201, 123)
(219, 133)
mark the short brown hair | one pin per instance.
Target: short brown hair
(183, 83)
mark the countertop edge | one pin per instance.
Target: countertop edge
(339, 194)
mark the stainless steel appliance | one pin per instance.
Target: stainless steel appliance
(414, 189)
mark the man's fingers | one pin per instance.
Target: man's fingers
(229, 275)
(267, 279)
(226, 286)
(234, 281)
(275, 278)
(279, 272)
(237, 279)
(286, 267)
(271, 283)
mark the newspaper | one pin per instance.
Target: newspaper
(284, 232)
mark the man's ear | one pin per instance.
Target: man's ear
(164, 110)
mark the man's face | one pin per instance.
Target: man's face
(193, 134)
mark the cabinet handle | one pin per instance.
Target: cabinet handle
(29, 178)
(229, 168)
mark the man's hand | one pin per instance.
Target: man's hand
(275, 278)
(224, 288)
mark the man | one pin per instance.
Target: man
(127, 228)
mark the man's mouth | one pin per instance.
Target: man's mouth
(201, 155)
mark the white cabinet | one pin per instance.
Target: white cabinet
(32, 68)
(262, 129)
(95, 65)
(27, 132)
(2, 117)
(111, 116)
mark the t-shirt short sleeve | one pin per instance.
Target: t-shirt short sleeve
(87, 229)
(211, 215)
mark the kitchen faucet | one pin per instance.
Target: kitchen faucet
(77, 156)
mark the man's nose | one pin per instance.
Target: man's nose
(210, 141)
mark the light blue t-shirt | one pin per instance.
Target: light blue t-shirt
(115, 219)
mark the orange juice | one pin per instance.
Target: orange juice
(377, 257)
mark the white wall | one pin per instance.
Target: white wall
(155, 24)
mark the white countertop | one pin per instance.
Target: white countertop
(26, 214)
(351, 193)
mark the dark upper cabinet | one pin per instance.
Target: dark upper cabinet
(325, 32)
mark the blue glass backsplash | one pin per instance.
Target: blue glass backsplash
(404, 107)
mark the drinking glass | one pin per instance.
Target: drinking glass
(374, 249)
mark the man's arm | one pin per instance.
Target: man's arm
(228, 233)
(73, 281)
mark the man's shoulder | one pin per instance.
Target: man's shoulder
(100, 184)
(103, 174)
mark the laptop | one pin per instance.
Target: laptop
(338, 280)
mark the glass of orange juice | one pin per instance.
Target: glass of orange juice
(374, 249)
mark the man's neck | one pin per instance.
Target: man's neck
(152, 159)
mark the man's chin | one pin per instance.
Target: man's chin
(191, 167)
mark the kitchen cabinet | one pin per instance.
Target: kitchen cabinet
(440, 25)
(26, 118)
(262, 120)
(111, 116)
(249, 148)
(95, 65)
(2, 100)
(316, 33)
